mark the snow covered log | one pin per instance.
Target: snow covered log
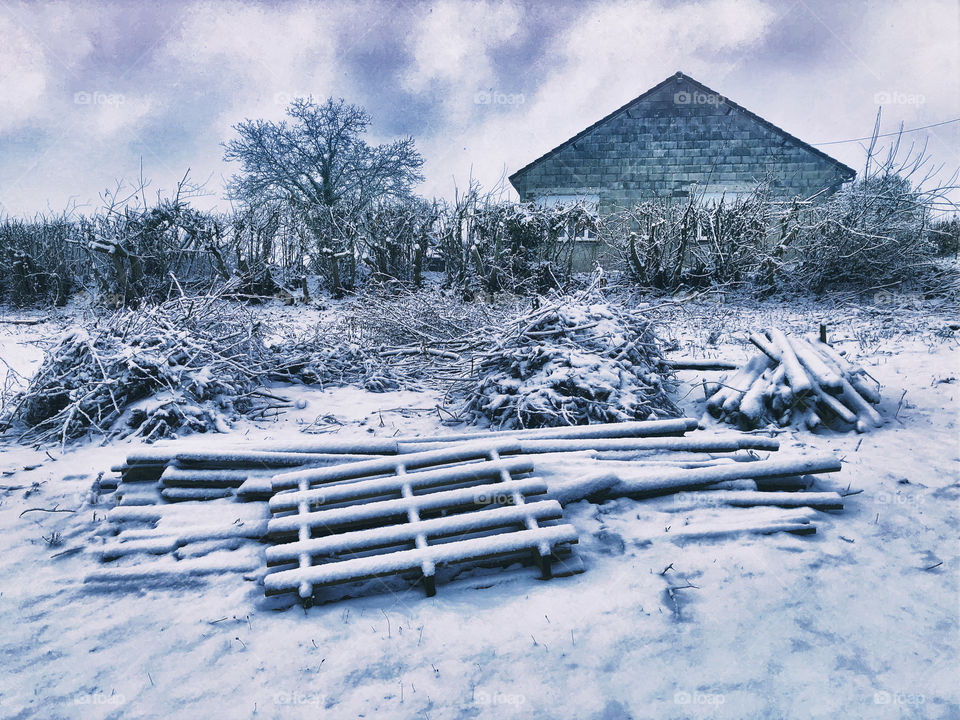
(755, 520)
(354, 491)
(351, 515)
(478, 450)
(639, 482)
(324, 448)
(633, 429)
(747, 498)
(716, 443)
(699, 364)
(398, 534)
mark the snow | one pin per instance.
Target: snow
(859, 620)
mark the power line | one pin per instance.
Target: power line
(870, 137)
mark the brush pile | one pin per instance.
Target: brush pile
(315, 362)
(798, 382)
(573, 363)
(193, 362)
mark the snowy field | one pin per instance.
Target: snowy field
(859, 620)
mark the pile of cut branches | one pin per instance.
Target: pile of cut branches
(424, 338)
(193, 361)
(572, 363)
(316, 362)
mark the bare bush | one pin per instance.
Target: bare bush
(395, 240)
(490, 246)
(874, 232)
(139, 252)
(945, 235)
(664, 244)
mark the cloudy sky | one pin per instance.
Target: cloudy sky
(89, 89)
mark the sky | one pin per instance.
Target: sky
(91, 92)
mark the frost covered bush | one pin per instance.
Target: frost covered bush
(573, 364)
(873, 232)
(41, 266)
(489, 246)
(664, 244)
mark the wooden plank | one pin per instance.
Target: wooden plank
(382, 466)
(421, 479)
(638, 482)
(638, 428)
(407, 532)
(393, 563)
(494, 493)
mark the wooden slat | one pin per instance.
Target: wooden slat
(382, 466)
(420, 479)
(436, 527)
(392, 563)
(493, 493)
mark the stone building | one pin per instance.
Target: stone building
(677, 139)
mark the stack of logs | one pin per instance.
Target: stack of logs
(795, 381)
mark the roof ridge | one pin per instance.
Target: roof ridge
(679, 75)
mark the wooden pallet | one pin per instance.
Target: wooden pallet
(391, 516)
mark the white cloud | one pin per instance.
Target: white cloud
(110, 115)
(452, 48)
(606, 57)
(42, 47)
(453, 42)
(264, 55)
(23, 75)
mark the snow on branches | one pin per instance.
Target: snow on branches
(572, 364)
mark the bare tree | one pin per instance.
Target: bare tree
(318, 163)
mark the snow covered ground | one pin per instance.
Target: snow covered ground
(857, 621)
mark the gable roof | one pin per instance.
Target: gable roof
(845, 170)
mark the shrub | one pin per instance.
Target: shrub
(664, 244)
(489, 246)
(945, 235)
(42, 259)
